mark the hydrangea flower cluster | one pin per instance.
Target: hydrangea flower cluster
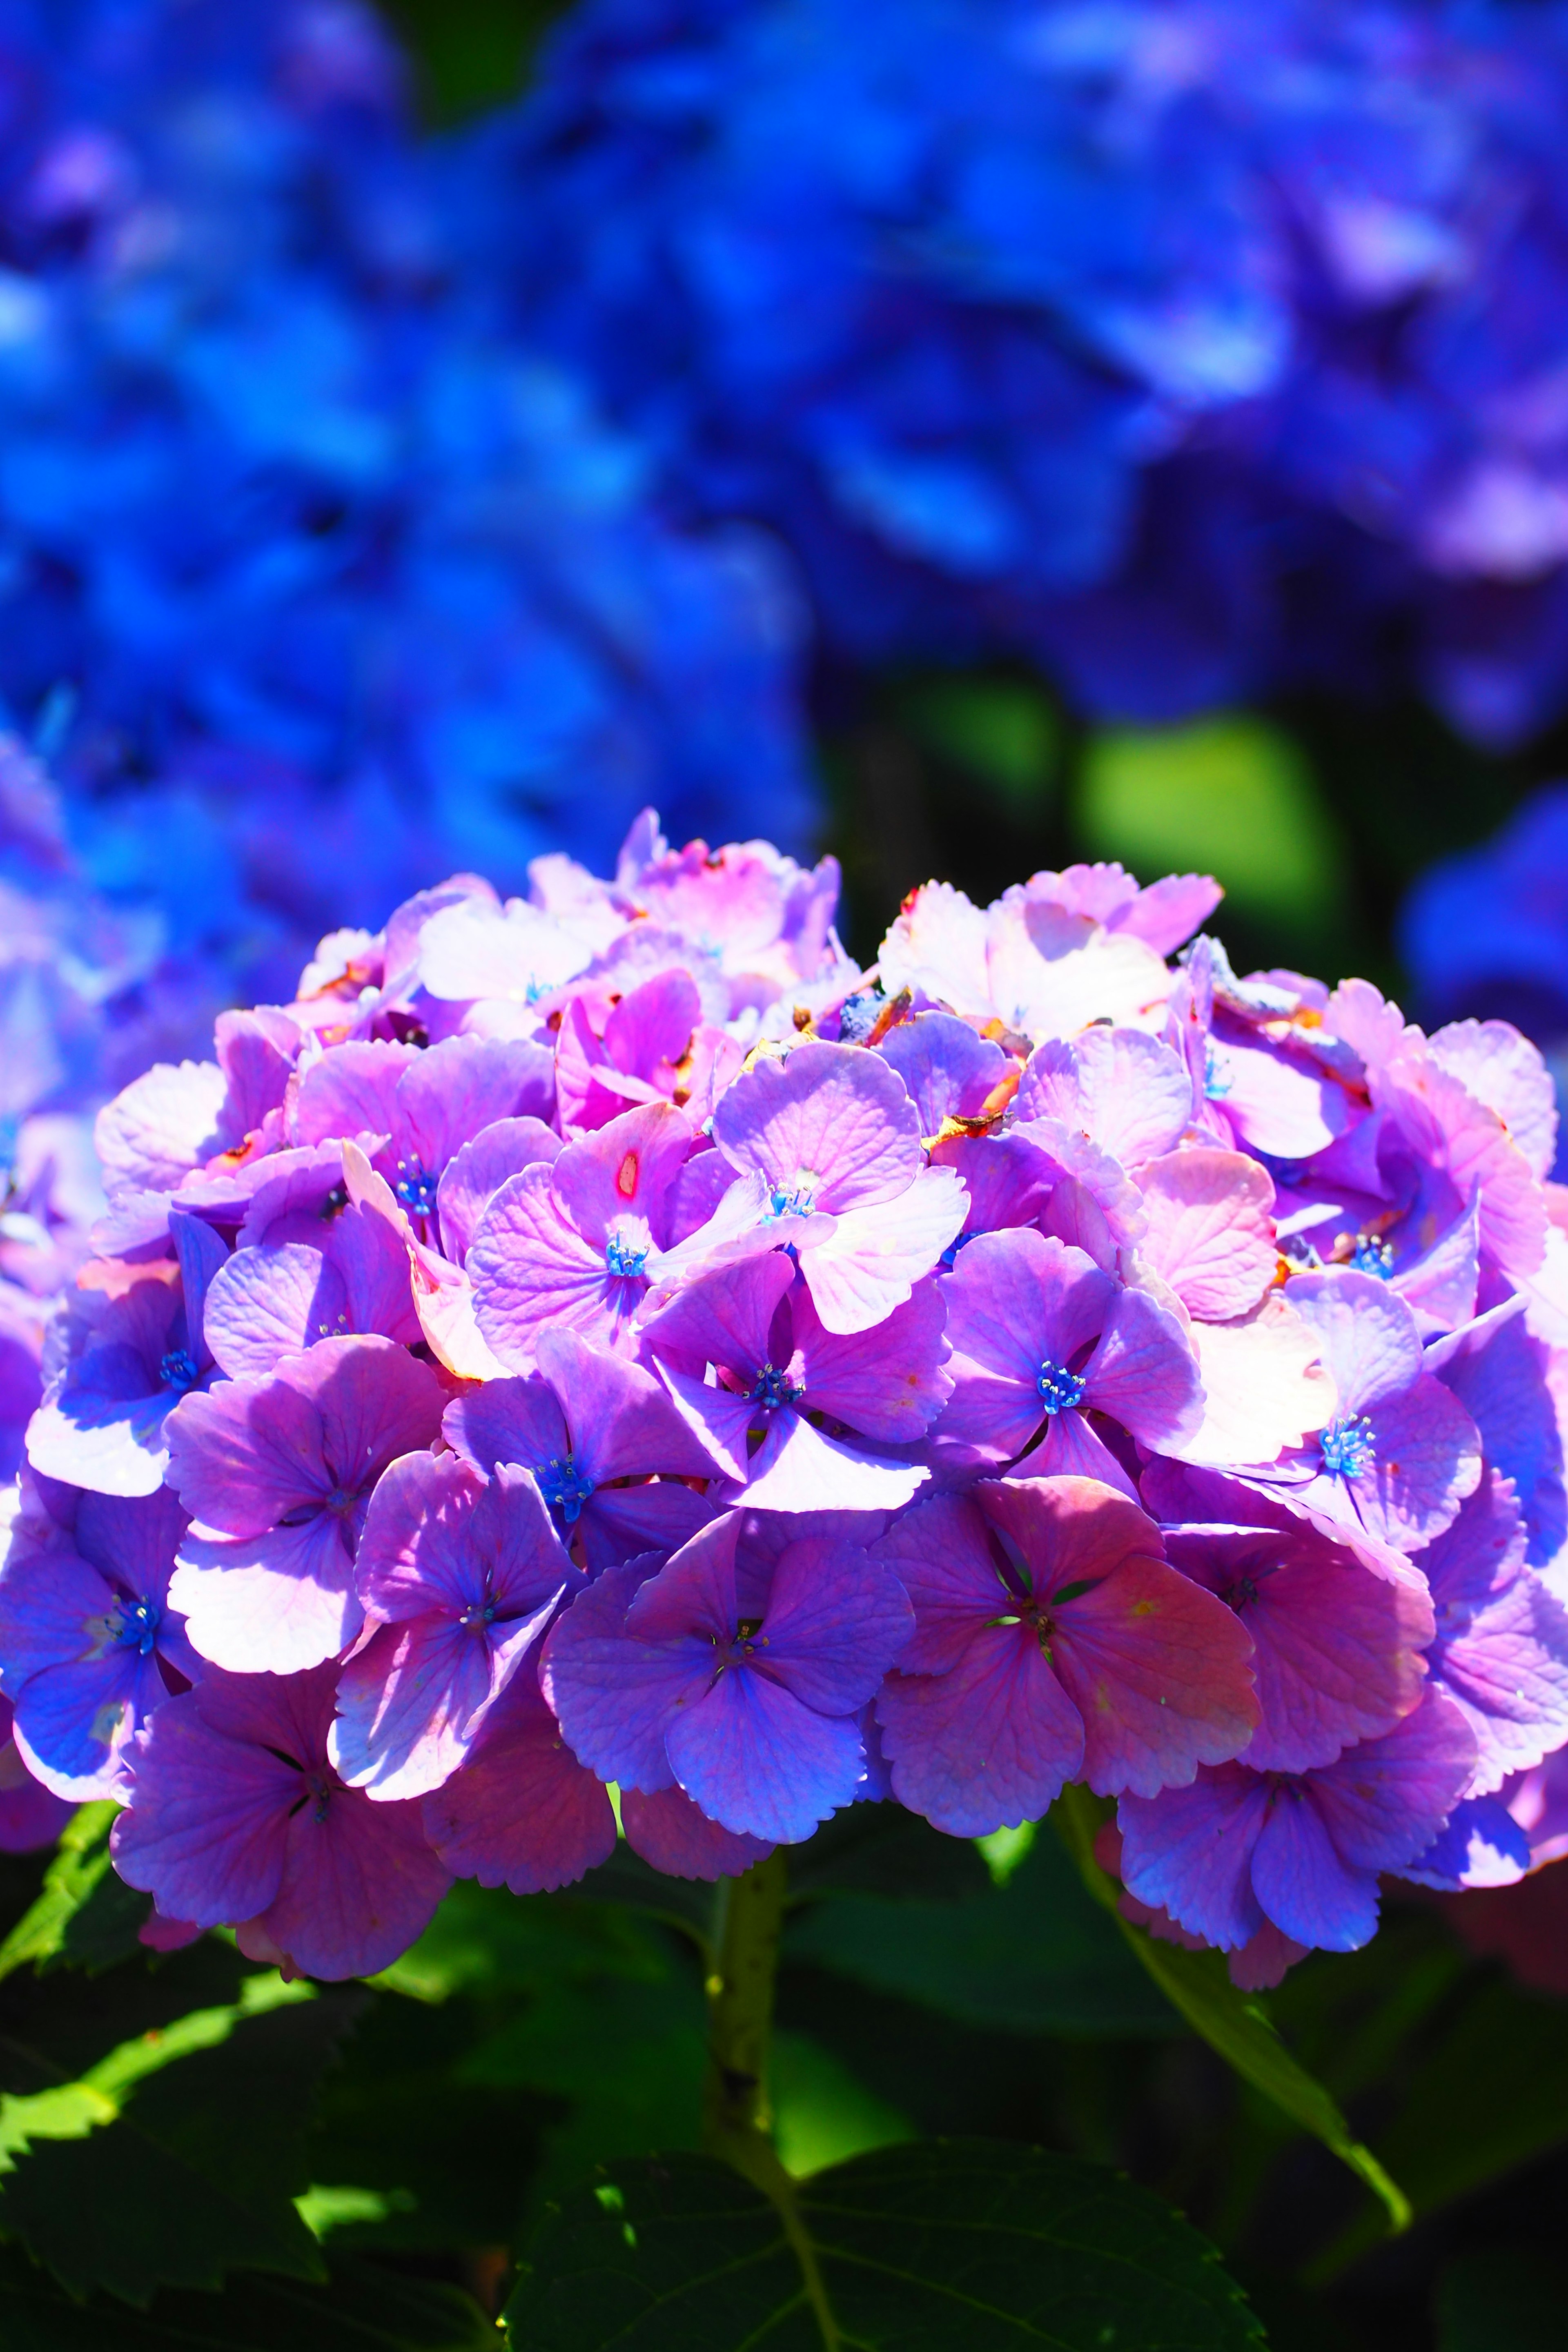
(603, 1350)
(311, 584)
(1195, 351)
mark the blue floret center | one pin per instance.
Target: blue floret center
(138, 1626)
(1372, 1256)
(179, 1369)
(416, 1188)
(624, 1259)
(792, 1200)
(564, 1488)
(1059, 1388)
(773, 1388)
(1347, 1447)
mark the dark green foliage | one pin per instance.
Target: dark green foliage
(85, 1916)
(359, 2309)
(957, 2246)
(1502, 2301)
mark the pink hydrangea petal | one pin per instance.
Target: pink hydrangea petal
(798, 1468)
(833, 1117)
(625, 1170)
(1128, 1092)
(271, 1603)
(889, 1383)
(522, 1812)
(162, 1125)
(677, 1838)
(359, 1886)
(351, 1091)
(267, 1303)
(1210, 1229)
(947, 1067)
(476, 1174)
(1142, 1373)
(532, 1271)
(870, 1262)
(986, 1745)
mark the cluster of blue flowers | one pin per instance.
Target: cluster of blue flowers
(312, 585)
(606, 1339)
(1195, 351)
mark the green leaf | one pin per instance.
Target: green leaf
(485, 1940)
(1491, 2094)
(362, 2309)
(956, 2246)
(1004, 730)
(86, 1916)
(1034, 1956)
(1502, 2301)
(178, 2156)
(1235, 2024)
(882, 1850)
(823, 2114)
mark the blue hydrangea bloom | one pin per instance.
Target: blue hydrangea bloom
(316, 586)
(1192, 351)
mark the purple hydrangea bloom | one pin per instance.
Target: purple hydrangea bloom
(237, 1818)
(133, 1348)
(570, 1243)
(278, 1475)
(588, 1424)
(459, 1576)
(1051, 1641)
(1042, 1338)
(739, 1681)
(830, 1131)
(89, 1644)
(756, 1324)
(1239, 1848)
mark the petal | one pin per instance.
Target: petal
(1384, 1802)
(1264, 1389)
(874, 1256)
(1211, 1229)
(522, 1812)
(833, 1114)
(268, 1303)
(1161, 1673)
(207, 1832)
(677, 1838)
(1303, 1885)
(613, 1695)
(531, 1270)
(1142, 1373)
(941, 1553)
(1189, 1851)
(622, 1423)
(987, 1745)
(360, 1885)
(834, 1623)
(475, 1174)
(799, 1469)
(1128, 1092)
(888, 1384)
(760, 1763)
(272, 1603)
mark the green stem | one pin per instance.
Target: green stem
(737, 2118)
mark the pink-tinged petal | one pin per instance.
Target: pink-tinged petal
(1014, 1301)
(870, 1262)
(941, 1553)
(201, 1253)
(531, 1270)
(1264, 1962)
(475, 1174)
(1447, 1125)
(522, 1812)
(1303, 1885)
(677, 1838)
(948, 1069)
(1075, 1158)
(1337, 1651)
(1070, 1448)
(612, 1693)
(717, 1419)
(1142, 1373)
(1189, 1851)
(649, 1031)
(1166, 913)
(1506, 1668)
(452, 1091)
(1126, 1091)
(417, 1550)
(1265, 1389)
(622, 1422)
(1439, 1286)
(759, 1762)
(472, 951)
(271, 1603)
(1507, 1073)
(1426, 1459)
(162, 1125)
(1008, 1179)
(1069, 1531)
(360, 1885)
(352, 1090)
(889, 1383)
(208, 1831)
(1052, 972)
(1161, 1674)
(937, 944)
(410, 1701)
(273, 1196)
(624, 1171)
(161, 1935)
(694, 1593)
(1367, 1333)
(1385, 1800)
(987, 1744)
(835, 1622)
(255, 1052)
(724, 1316)
(1074, 1215)
(797, 1468)
(510, 1420)
(268, 1303)
(370, 1253)
(832, 1123)
(1211, 1229)
(1276, 1101)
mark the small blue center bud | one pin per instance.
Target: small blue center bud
(1058, 1391)
(792, 1200)
(179, 1369)
(774, 1388)
(564, 1488)
(1218, 1081)
(623, 1259)
(948, 1258)
(1372, 1256)
(1347, 1447)
(477, 1616)
(138, 1626)
(416, 1188)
